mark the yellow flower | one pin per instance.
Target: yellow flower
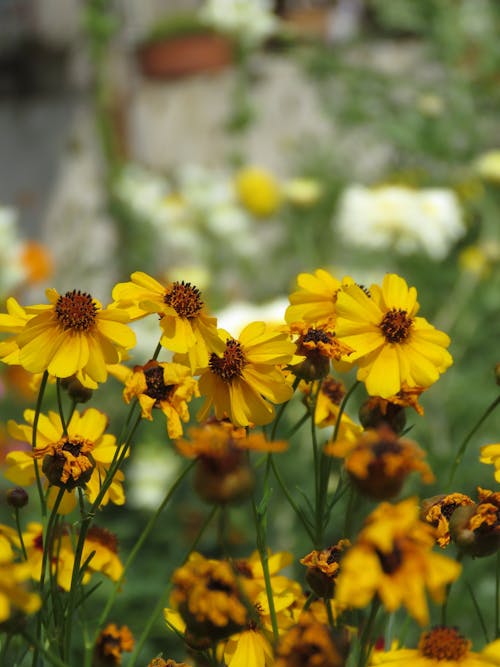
(328, 402)
(110, 645)
(491, 454)
(439, 509)
(323, 567)
(476, 528)
(439, 647)
(208, 597)
(488, 166)
(223, 473)
(378, 462)
(13, 321)
(13, 592)
(242, 382)
(104, 546)
(167, 386)
(249, 648)
(315, 299)
(73, 334)
(80, 458)
(258, 191)
(392, 346)
(317, 345)
(309, 643)
(392, 558)
(377, 411)
(186, 325)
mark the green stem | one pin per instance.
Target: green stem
(292, 502)
(20, 533)
(497, 597)
(367, 633)
(328, 607)
(163, 598)
(60, 407)
(281, 411)
(40, 648)
(468, 437)
(478, 611)
(38, 409)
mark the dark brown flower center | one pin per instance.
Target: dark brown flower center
(218, 585)
(156, 387)
(76, 311)
(184, 298)
(442, 643)
(104, 537)
(396, 325)
(73, 446)
(232, 362)
(390, 562)
(333, 390)
(317, 336)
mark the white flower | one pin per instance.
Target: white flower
(12, 272)
(252, 21)
(236, 316)
(400, 219)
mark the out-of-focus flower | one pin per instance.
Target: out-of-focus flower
(14, 594)
(392, 347)
(310, 643)
(110, 644)
(251, 21)
(438, 511)
(73, 334)
(80, 458)
(487, 166)
(490, 454)
(376, 410)
(238, 314)
(479, 259)
(401, 219)
(302, 192)
(245, 379)
(379, 462)
(317, 345)
(430, 105)
(328, 401)
(160, 662)
(441, 646)
(392, 557)
(258, 191)
(37, 262)
(315, 298)
(103, 544)
(222, 472)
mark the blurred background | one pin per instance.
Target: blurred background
(235, 143)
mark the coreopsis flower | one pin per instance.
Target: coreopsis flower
(222, 472)
(103, 544)
(378, 462)
(186, 326)
(13, 322)
(61, 559)
(80, 458)
(490, 454)
(207, 595)
(310, 643)
(258, 191)
(390, 411)
(393, 347)
(323, 567)
(392, 558)
(111, 643)
(249, 648)
(441, 646)
(315, 298)
(14, 594)
(438, 510)
(318, 345)
(168, 387)
(328, 400)
(245, 379)
(476, 528)
(72, 334)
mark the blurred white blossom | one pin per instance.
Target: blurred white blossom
(401, 219)
(12, 270)
(251, 21)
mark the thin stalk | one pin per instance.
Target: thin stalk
(479, 613)
(292, 502)
(367, 633)
(163, 598)
(329, 613)
(468, 437)
(260, 516)
(281, 411)
(60, 407)
(497, 597)
(34, 435)
(40, 648)
(20, 533)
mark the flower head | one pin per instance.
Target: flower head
(314, 300)
(310, 643)
(438, 511)
(245, 379)
(79, 458)
(378, 462)
(476, 528)
(439, 647)
(186, 326)
(222, 471)
(317, 345)
(73, 334)
(491, 454)
(166, 386)
(393, 347)
(258, 191)
(323, 567)
(110, 644)
(393, 558)
(14, 593)
(390, 411)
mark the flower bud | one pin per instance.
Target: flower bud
(373, 415)
(78, 392)
(475, 529)
(216, 485)
(17, 497)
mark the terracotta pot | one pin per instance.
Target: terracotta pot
(185, 55)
